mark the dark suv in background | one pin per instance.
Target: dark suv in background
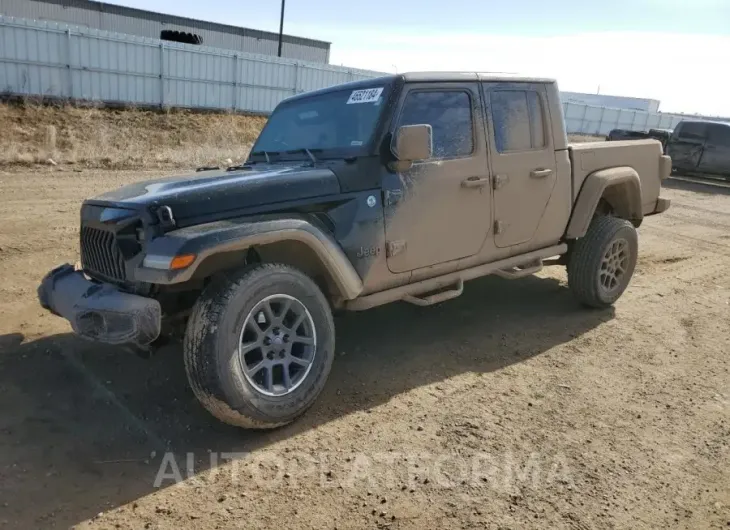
(701, 147)
(662, 135)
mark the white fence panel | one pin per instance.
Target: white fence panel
(592, 119)
(49, 59)
(610, 118)
(574, 115)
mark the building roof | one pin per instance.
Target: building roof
(103, 7)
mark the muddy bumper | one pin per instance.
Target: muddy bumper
(100, 311)
(662, 205)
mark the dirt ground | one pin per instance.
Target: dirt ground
(509, 407)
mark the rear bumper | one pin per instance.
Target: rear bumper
(662, 205)
(665, 167)
(99, 311)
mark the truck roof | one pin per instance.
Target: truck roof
(471, 76)
(725, 123)
(429, 77)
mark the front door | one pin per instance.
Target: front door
(716, 155)
(522, 158)
(687, 144)
(439, 209)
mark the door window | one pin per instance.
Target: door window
(693, 131)
(519, 120)
(719, 135)
(449, 113)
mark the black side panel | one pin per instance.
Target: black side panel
(359, 231)
(358, 175)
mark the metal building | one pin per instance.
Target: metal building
(120, 19)
(605, 100)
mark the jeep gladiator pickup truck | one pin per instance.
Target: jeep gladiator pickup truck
(393, 189)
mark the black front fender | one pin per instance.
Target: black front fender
(208, 239)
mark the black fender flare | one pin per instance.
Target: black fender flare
(229, 235)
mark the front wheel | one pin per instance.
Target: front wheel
(259, 346)
(602, 262)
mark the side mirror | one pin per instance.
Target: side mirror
(412, 142)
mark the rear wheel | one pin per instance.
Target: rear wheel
(602, 262)
(259, 346)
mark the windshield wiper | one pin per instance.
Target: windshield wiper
(238, 167)
(308, 151)
(266, 154)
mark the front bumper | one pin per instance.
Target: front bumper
(99, 311)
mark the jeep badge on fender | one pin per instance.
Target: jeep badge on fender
(368, 252)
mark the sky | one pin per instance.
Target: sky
(676, 51)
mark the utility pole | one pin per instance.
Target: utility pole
(281, 26)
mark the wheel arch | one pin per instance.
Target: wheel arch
(617, 187)
(301, 256)
(294, 241)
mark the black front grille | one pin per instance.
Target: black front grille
(100, 253)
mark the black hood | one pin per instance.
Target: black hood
(209, 192)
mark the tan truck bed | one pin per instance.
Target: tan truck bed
(644, 156)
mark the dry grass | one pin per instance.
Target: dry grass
(122, 139)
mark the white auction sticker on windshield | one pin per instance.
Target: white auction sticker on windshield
(367, 95)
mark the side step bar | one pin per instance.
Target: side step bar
(514, 267)
(509, 274)
(436, 298)
(520, 271)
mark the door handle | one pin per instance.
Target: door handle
(475, 182)
(540, 173)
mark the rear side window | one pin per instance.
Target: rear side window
(719, 135)
(449, 114)
(693, 131)
(519, 120)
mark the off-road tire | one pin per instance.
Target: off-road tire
(587, 255)
(214, 332)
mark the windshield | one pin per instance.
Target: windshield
(340, 122)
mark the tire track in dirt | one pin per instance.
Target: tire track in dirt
(698, 220)
(685, 206)
(713, 247)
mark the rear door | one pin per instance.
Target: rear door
(522, 158)
(687, 144)
(440, 209)
(716, 154)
